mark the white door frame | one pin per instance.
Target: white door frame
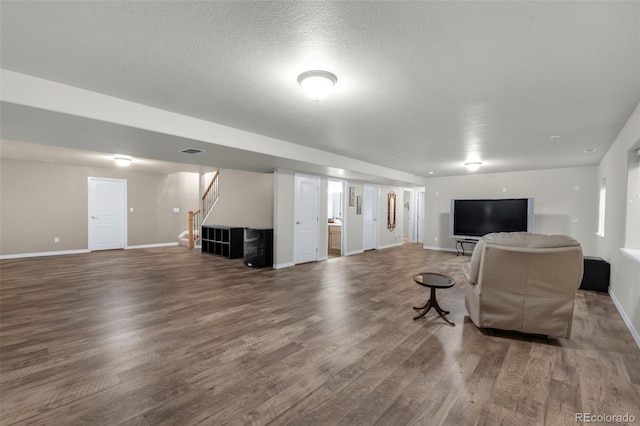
(420, 213)
(90, 221)
(343, 232)
(297, 220)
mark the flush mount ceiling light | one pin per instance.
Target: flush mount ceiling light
(317, 84)
(122, 160)
(473, 166)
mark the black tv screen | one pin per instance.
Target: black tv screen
(471, 219)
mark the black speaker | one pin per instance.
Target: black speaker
(596, 274)
(258, 247)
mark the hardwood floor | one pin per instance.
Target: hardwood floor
(172, 336)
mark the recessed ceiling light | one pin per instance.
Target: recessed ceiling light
(122, 160)
(317, 84)
(431, 172)
(589, 150)
(473, 165)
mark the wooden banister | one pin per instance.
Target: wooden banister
(213, 180)
(210, 196)
(194, 227)
(196, 217)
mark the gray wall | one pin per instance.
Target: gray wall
(246, 200)
(41, 201)
(284, 188)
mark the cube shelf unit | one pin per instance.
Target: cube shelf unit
(225, 241)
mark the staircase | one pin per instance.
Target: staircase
(196, 218)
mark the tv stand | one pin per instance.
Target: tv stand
(461, 243)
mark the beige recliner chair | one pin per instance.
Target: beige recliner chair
(524, 282)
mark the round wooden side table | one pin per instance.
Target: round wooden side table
(433, 281)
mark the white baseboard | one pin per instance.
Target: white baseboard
(320, 259)
(390, 245)
(439, 249)
(625, 318)
(150, 246)
(283, 265)
(351, 253)
(43, 253)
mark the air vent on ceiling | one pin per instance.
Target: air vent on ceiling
(192, 150)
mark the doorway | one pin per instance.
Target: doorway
(335, 217)
(107, 213)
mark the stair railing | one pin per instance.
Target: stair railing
(210, 196)
(194, 227)
(196, 218)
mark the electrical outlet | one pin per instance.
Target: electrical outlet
(56, 240)
(176, 210)
(131, 210)
(436, 238)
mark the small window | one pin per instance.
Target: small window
(602, 206)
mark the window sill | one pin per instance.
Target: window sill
(633, 254)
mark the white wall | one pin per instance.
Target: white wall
(560, 208)
(353, 238)
(387, 238)
(625, 273)
(284, 189)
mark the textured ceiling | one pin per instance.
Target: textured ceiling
(422, 86)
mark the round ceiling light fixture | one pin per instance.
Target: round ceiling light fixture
(317, 84)
(473, 165)
(122, 160)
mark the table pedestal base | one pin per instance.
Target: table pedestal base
(432, 302)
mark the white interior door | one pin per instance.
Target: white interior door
(370, 208)
(420, 217)
(107, 213)
(305, 216)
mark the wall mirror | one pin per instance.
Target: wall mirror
(391, 211)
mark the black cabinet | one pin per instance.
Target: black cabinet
(596, 274)
(223, 241)
(258, 247)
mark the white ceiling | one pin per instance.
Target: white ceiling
(422, 86)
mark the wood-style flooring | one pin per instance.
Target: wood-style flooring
(172, 336)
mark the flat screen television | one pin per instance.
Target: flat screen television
(471, 219)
